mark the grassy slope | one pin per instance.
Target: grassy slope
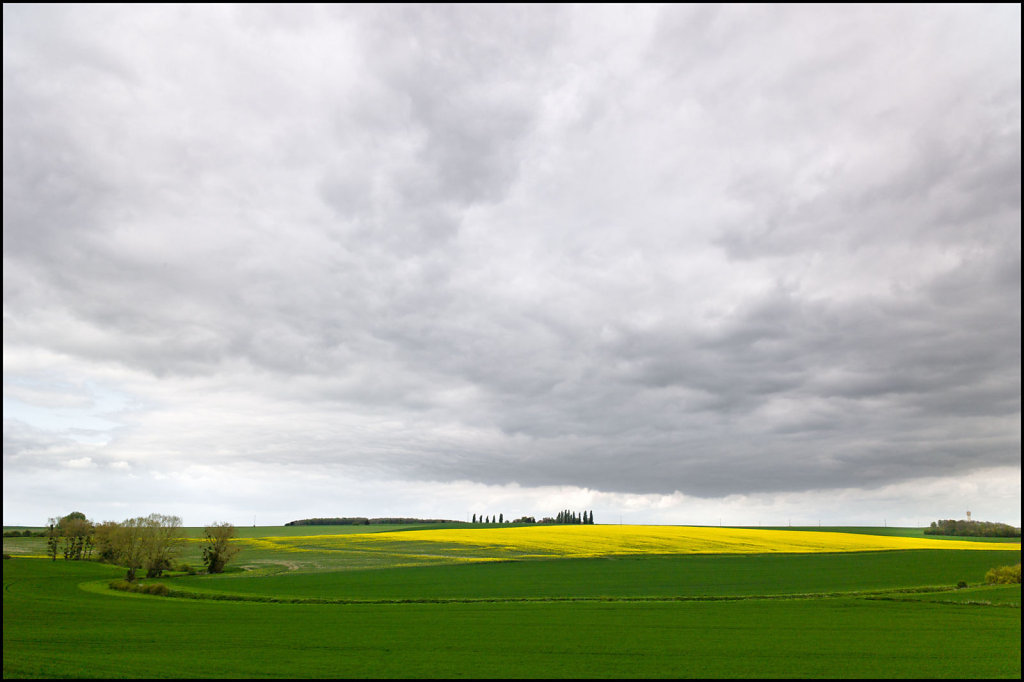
(696, 575)
(53, 628)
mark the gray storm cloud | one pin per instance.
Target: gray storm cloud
(697, 249)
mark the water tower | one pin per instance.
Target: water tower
(968, 516)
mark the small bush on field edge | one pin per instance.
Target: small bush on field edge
(1003, 575)
(150, 588)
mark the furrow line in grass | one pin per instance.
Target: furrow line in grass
(966, 602)
(873, 594)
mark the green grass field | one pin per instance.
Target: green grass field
(890, 614)
(892, 531)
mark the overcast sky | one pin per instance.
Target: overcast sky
(676, 264)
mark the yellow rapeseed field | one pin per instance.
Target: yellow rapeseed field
(595, 541)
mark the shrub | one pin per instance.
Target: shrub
(158, 589)
(6, 555)
(155, 588)
(961, 585)
(1003, 575)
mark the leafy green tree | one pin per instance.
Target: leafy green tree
(130, 545)
(150, 542)
(106, 542)
(76, 531)
(163, 540)
(71, 535)
(218, 550)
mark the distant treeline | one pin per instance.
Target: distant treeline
(25, 533)
(985, 529)
(362, 521)
(563, 517)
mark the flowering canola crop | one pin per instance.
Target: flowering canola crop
(595, 541)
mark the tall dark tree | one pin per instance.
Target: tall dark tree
(219, 550)
(52, 538)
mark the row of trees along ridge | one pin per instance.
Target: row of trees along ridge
(149, 542)
(564, 517)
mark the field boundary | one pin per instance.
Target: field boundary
(103, 587)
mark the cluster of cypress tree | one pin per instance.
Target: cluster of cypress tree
(566, 516)
(500, 518)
